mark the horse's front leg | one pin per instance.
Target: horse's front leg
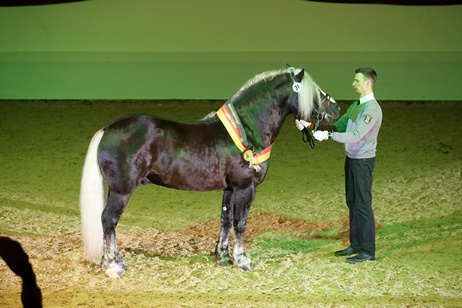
(112, 262)
(242, 201)
(221, 250)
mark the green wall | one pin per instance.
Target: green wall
(205, 49)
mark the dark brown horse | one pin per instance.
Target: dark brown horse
(17, 260)
(225, 151)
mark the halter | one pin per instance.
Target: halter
(306, 133)
(230, 119)
(296, 86)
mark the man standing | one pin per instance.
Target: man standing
(357, 129)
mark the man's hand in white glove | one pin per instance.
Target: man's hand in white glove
(321, 135)
(301, 124)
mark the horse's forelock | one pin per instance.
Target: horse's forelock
(306, 97)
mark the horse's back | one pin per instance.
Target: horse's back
(184, 155)
(143, 125)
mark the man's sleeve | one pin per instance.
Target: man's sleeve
(339, 126)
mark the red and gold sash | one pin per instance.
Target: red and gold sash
(233, 125)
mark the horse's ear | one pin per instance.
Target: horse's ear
(288, 65)
(300, 75)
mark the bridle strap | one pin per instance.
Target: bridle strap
(306, 133)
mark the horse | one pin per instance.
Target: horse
(17, 260)
(227, 150)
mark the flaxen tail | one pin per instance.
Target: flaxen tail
(92, 200)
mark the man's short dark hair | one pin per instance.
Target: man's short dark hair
(368, 72)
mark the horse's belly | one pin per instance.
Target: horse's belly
(196, 181)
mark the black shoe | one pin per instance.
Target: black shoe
(360, 257)
(345, 252)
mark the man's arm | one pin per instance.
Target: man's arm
(339, 126)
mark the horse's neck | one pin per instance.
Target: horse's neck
(262, 125)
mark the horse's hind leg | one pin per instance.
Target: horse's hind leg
(112, 262)
(242, 202)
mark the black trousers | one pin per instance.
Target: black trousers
(358, 189)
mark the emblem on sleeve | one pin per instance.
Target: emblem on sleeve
(368, 118)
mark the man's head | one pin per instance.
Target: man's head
(365, 78)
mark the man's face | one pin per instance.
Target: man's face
(360, 84)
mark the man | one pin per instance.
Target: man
(357, 129)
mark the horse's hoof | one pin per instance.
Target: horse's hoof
(226, 262)
(245, 264)
(113, 273)
(222, 259)
(115, 270)
(246, 267)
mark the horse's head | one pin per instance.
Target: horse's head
(313, 103)
(327, 109)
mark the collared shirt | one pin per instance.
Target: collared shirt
(359, 127)
(368, 97)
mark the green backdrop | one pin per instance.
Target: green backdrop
(205, 49)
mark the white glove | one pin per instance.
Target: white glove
(321, 135)
(301, 124)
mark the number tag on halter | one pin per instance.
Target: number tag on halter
(296, 87)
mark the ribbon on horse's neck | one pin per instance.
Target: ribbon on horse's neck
(230, 119)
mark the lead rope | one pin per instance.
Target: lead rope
(307, 137)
